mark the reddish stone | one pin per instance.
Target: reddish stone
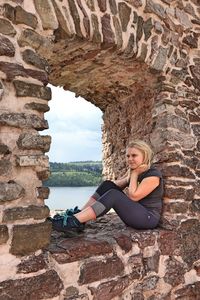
(137, 268)
(144, 238)
(75, 16)
(165, 247)
(43, 175)
(43, 192)
(3, 234)
(190, 292)
(6, 47)
(32, 264)
(108, 35)
(110, 289)
(102, 5)
(175, 271)
(98, 270)
(47, 285)
(78, 248)
(180, 193)
(124, 242)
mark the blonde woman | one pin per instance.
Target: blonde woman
(140, 207)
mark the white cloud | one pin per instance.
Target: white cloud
(75, 128)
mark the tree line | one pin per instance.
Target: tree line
(74, 174)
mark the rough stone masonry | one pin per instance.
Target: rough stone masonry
(139, 62)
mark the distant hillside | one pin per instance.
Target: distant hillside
(81, 173)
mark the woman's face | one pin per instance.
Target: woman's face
(134, 158)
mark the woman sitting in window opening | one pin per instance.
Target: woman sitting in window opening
(139, 207)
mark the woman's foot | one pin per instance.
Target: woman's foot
(66, 223)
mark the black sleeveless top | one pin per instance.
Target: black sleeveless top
(153, 201)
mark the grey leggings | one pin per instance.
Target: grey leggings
(108, 195)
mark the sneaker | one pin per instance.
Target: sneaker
(65, 223)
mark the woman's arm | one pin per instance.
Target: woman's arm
(137, 192)
(124, 181)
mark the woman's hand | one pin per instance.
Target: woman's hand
(140, 169)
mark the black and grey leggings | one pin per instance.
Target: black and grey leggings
(108, 195)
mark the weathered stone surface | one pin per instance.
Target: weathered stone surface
(63, 30)
(98, 270)
(160, 59)
(178, 171)
(4, 150)
(46, 13)
(191, 291)
(137, 268)
(113, 7)
(6, 27)
(174, 272)
(90, 4)
(71, 293)
(78, 248)
(43, 192)
(32, 264)
(22, 120)
(6, 47)
(41, 107)
(34, 141)
(75, 16)
(124, 15)
(139, 31)
(37, 235)
(118, 31)
(151, 264)
(108, 36)
(5, 167)
(21, 213)
(102, 5)
(43, 175)
(1, 90)
(3, 234)
(19, 16)
(149, 283)
(10, 191)
(24, 89)
(110, 289)
(96, 38)
(165, 247)
(180, 193)
(191, 243)
(12, 70)
(33, 160)
(46, 285)
(153, 7)
(147, 27)
(124, 241)
(34, 40)
(191, 40)
(32, 58)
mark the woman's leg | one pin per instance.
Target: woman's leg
(132, 213)
(102, 189)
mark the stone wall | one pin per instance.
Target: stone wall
(139, 62)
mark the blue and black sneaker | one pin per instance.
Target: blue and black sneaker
(65, 223)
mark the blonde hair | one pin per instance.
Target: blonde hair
(144, 148)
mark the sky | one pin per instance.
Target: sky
(74, 126)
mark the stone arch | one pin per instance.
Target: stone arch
(138, 61)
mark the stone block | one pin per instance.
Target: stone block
(6, 47)
(191, 291)
(160, 59)
(32, 58)
(124, 15)
(19, 16)
(32, 264)
(43, 175)
(13, 70)
(10, 191)
(21, 213)
(165, 247)
(43, 192)
(96, 38)
(108, 35)
(21, 120)
(79, 248)
(155, 8)
(113, 7)
(6, 27)
(136, 265)
(46, 13)
(124, 241)
(97, 270)
(177, 171)
(4, 150)
(102, 5)
(5, 167)
(175, 271)
(63, 29)
(110, 289)
(75, 16)
(33, 161)
(24, 89)
(191, 40)
(44, 286)
(3, 234)
(151, 264)
(41, 107)
(1, 90)
(30, 238)
(28, 141)
(150, 283)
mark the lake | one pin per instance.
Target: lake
(68, 197)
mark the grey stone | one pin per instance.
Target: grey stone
(6, 27)
(4, 150)
(21, 213)
(108, 35)
(22, 120)
(139, 31)
(124, 15)
(46, 13)
(30, 238)
(143, 53)
(183, 18)
(96, 38)
(150, 283)
(63, 30)
(191, 40)
(33, 160)
(6, 47)
(152, 7)
(161, 58)
(30, 141)
(32, 58)
(147, 26)
(113, 7)
(41, 107)
(90, 4)
(24, 89)
(5, 167)
(46, 285)
(118, 31)
(75, 16)
(129, 51)
(12, 70)
(10, 191)
(3, 234)
(34, 40)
